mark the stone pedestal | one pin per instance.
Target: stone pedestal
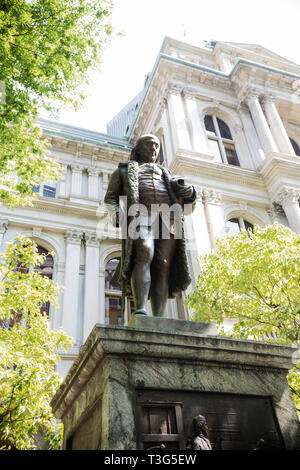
(138, 387)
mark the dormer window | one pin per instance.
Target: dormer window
(220, 140)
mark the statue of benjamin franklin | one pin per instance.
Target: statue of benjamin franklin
(153, 263)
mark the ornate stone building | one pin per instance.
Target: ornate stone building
(228, 117)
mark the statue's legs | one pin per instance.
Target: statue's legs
(143, 251)
(160, 269)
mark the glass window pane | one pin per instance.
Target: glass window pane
(49, 190)
(36, 188)
(113, 310)
(295, 147)
(232, 227)
(224, 129)
(231, 155)
(209, 125)
(112, 274)
(248, 225)
(214, 149)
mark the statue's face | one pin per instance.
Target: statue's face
(148, 149)
(201, 426)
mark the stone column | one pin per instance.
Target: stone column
(198, 135)
(214, 214)
(180, 133)
(71, 284)
(76, 185)
(91, 284)
(289, 200)
(277, 127)
(62, 185)
(261, 125)
(93, 184)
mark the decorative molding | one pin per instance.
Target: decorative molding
(37, 231)
(199, 192)
(73, 236)
(77, 168)
(275, 212)
(288, 196)
(266, 98)
(91, 239)
(93, 171)
(210, 196)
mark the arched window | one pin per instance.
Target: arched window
(46, 270)
(295, 147)
(220, 140)
(113, 304)
(235, 225)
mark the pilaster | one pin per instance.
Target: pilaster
(197, 232)
(71, 291)
(179, 128)
(214, 214)
(198, 135)
(105, 179)
(93, 183)
(62, 184)
(91, 284)
(76, 185)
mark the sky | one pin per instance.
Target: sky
(273, 24)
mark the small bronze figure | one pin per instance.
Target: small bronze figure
(200, 440)
(154, 263)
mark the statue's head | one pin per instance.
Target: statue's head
(146, 149)
(200, 425)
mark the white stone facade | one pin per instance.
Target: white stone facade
(255, 92)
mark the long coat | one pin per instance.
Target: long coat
(125, 182)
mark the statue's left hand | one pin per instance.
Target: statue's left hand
(184, 191)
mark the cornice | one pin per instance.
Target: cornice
(201, 165)
(278, 168)
(87, 152)
(105, 340)
(59, 227)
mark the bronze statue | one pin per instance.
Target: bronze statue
(200, 440)
(153, 263)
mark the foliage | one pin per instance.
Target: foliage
(254, 278)
(28, 350)
(46, 50)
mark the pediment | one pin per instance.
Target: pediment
(243, 50)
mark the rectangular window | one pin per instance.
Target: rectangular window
(113, 310)
(231, 155)
(160, 425)
(49, 191)
(214, 148)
